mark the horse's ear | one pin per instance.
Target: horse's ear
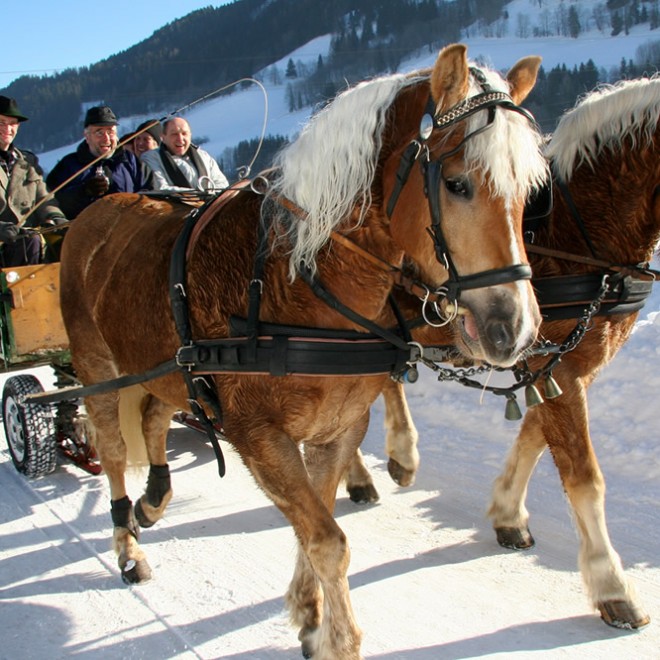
(449, 79)
(522, 77)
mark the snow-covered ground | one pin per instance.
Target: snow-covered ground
(427, 577)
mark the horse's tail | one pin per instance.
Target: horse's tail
(131, 405)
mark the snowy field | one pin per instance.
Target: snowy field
(428, 579)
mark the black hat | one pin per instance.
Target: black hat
(9, 108)
(156, 131)
(100, 115)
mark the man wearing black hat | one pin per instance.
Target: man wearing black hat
(23, 194)
(78, 181)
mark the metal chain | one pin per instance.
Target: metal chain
(522, 373)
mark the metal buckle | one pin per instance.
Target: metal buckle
(180, 358)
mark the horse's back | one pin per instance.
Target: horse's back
(114, 274)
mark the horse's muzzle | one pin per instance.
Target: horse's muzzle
(498, 324)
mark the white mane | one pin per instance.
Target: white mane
(330, 167)
(603, 119)
(510, 151)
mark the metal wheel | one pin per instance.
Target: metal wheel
(29, 429)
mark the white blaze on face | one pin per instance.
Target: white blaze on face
(523, 290)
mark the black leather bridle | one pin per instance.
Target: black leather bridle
(417, 150)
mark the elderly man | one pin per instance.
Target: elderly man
(23, 194)
(178, 164)
(77, 182)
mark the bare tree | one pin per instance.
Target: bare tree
(523, 26)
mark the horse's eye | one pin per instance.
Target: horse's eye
(459, 186)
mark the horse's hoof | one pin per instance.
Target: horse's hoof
(136, 572)
(141, 517)
(307, 647)
(622, 614)
(399, 474)
(514, 538)
(363, 494)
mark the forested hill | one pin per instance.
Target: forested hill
(212, 47)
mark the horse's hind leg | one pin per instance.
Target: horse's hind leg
(359, 484)
(156, 417)
(103, 411)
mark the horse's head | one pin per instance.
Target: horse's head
(480, 158)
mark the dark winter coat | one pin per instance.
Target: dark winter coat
(125, 171)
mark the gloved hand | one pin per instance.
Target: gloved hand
(9, 232)
(97, 186)
(54, 220)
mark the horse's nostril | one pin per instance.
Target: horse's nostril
(499, 334)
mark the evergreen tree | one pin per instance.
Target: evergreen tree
(291, 71)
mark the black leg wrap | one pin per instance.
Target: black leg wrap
(122, 515)
(158, 484)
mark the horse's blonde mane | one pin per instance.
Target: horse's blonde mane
(509, 153)
(603, 119)
(329, 169)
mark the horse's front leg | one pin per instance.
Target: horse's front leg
(563, 424)
(401, 436)
(325, 464)
(318, 596)
(507, 509)
(567, 434)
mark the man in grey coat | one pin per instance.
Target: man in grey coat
(23, 194)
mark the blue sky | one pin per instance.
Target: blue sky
(45, 36)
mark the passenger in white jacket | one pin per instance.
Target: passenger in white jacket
(180, 165)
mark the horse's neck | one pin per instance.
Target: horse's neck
(612, 201)
(360, 278)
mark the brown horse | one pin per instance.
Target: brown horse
(605, 222)
(282, 259)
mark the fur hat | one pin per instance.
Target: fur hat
(100, 115)
(9, 108)
(156, 131)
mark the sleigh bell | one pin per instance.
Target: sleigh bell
(532, 396)
(512, 410)
(551, 388)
